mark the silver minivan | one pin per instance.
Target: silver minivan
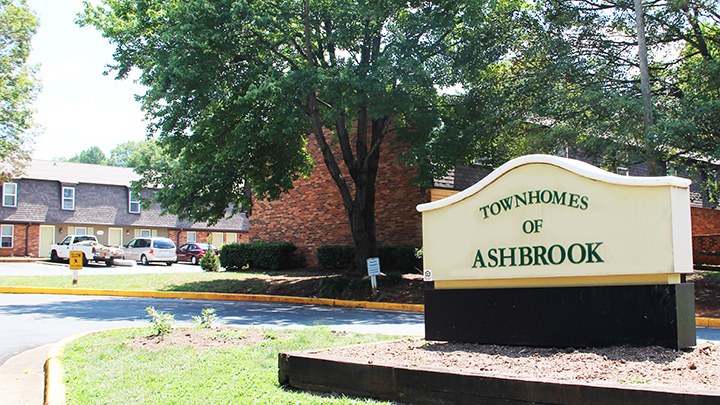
(148, 250)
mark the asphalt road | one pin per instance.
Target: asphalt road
(29, 320)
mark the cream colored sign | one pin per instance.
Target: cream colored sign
(547, 221)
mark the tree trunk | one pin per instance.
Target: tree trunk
(362, 167)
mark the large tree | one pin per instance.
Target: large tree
(92, 155)
(136, 154)
(18, 85)
(236, 87)
(576, 85)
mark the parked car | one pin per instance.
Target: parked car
(192, 252)
(148, 250)
(90, 248)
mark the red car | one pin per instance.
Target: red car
(192, 252)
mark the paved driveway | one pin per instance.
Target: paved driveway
(62, 269)
(29, 320)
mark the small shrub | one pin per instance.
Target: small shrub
(161, 322)
(210, 261)
(206, 319)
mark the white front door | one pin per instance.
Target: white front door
(115, 236)
(47, 238)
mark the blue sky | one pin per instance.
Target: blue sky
(79, 107)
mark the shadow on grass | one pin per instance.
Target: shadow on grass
(301, 287)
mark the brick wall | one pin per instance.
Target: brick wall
(312, 214)
(21, 234)
(706, 235)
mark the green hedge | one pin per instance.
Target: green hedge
(260, 255)
(333, 256)
(398, 259)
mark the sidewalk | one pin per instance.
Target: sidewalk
(22, 377)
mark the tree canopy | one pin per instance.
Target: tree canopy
(18, 85)
(126, 154)
(236, 88)
(576, 84)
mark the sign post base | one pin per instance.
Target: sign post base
(597, 316)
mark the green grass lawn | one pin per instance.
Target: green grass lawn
(102, 369)
(223, 282)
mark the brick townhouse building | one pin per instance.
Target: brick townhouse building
(54, 199)
(312, 214)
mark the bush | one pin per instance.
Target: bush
(399, 259)
(161, 322)
(393, 259)
(261, 255)
(335, 257)
(345, 288)
(210, 261)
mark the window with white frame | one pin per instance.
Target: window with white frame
(68, 198)
(80, 230)
(145, 233)
(134, 207)
(9, 195)
(191, 236)
(6, 236)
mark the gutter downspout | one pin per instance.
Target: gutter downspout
(27, 238)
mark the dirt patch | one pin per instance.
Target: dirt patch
(410, 288)
(211, 338)
(698, 369)
(403, 289)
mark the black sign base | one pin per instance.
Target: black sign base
(638, 315)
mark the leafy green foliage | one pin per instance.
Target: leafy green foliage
(93, 156)
(210, 261)
(345, 288)
(261, 255)
(18, 85)
(334, 256)
(574, 85)
(400, 259)
(162, 322)
(206, 320)
(134, 154)
(236, 90)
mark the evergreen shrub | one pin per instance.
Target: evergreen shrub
(393, 259)
(259, 255)
(210, 261)
(334, 256)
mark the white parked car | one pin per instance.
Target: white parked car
(148, 250)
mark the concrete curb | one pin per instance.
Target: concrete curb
(54, 374)
(707, 322)
(216, 297)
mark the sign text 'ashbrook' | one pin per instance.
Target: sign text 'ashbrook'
(565, 198)
(576, 253)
